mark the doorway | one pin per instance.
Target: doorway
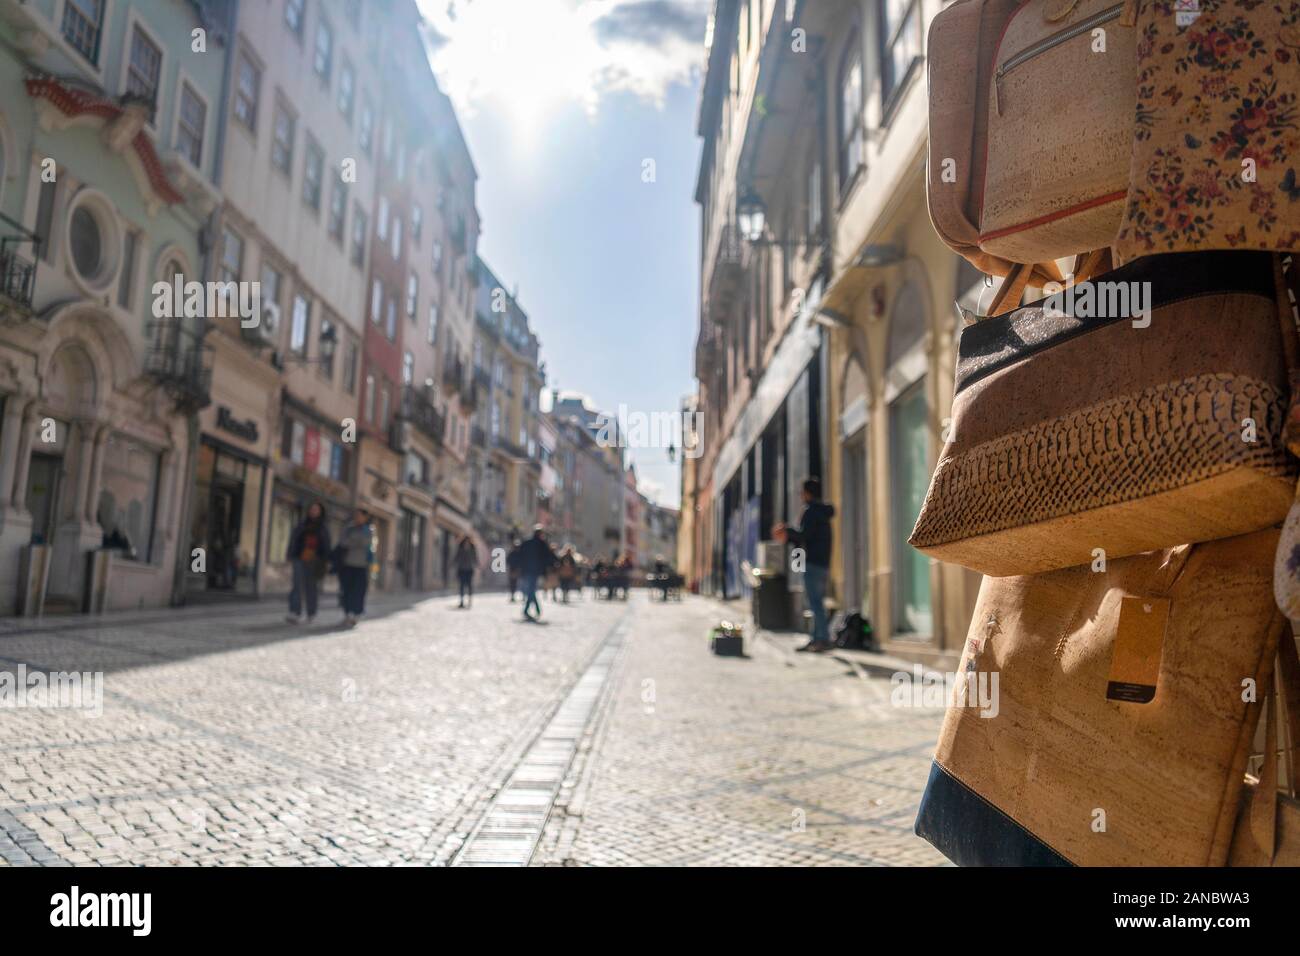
(224, 533)
(43, 495)
(855, 523)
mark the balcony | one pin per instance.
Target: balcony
(417, 408)
(469, 394)
(453, 374)
(181, 362)
(17, 273)
(730, 262)
(477, 437)
(482, 378)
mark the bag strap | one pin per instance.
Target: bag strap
(1012, 289)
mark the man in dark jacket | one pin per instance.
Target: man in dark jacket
(814, 536)
(536, 558)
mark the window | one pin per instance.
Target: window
(849, 126)
(366, 132)
(282, 145)
(347, 90)
(908, 438)
(127, 497)
(437, 254)
(324, 59)
(128, 270)
(143, 69)
(397, 237)
(248, 89)
(270, 291)
(900, 36)
(433, 323)
(326, 361)
(385, 404)
(370, 398)
(293, 16)
(301, 326)
(381, 219)
(390, 319)
(338, 209)
(815, 198)
(412, 295)
(232, 256)
(358, 236)
(408, 368)
(389, 142)
(350, 367)
(190, 126)
(313, 173)
(83, 25)
(352, 10)
(417, 223)
(376, 301)
(401, 162)
(417, 469)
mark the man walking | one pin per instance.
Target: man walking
(466, 562)
(535, 559)
(814, 536)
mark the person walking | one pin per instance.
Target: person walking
(466, 562)
(535, 559)
(568, 572)
(512, 568)
(353, 557)
(814, 536)
(308, 556)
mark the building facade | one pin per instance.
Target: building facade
(109, 152)
(827, 337)
(506, 464)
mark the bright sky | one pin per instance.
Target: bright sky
(562, 103)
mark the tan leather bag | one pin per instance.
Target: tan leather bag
(1268, 825)
(1072, 434)
(1030, 129)
(1065, 767)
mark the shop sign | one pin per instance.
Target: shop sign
(245, 429)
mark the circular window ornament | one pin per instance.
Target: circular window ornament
(94, 242)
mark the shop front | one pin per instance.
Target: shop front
(231, 493)
(311, 465)
(378, 475)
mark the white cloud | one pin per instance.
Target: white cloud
(525, 58)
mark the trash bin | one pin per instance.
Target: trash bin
(771, 601)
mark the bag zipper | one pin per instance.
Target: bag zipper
(1047, 43)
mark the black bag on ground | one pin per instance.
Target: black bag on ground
(853, 632)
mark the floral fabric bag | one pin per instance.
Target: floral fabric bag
(1216, 150)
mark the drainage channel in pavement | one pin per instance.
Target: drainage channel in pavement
(510, 827)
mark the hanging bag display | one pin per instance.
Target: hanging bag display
(1140, 410)
(1110, 723)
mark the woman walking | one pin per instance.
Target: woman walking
(466, 562)
(309, 547)
(354, 555)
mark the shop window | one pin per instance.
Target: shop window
(127, 497)
(910, 474)
(283, 518)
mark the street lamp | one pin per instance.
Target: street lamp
(751, 222)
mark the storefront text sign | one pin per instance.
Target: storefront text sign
(246, 429)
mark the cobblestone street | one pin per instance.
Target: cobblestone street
(230, 737)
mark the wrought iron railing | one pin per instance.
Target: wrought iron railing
(17, 273)
(180, 361)
(418, 409)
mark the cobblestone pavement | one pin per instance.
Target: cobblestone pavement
(773, 759)
(230, 737)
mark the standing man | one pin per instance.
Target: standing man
(814, 536)
(512, 567)
(535, 559)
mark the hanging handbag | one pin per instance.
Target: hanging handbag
(1113, 726)
(1213, 163)
(1083, 427)
(1007, 181)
